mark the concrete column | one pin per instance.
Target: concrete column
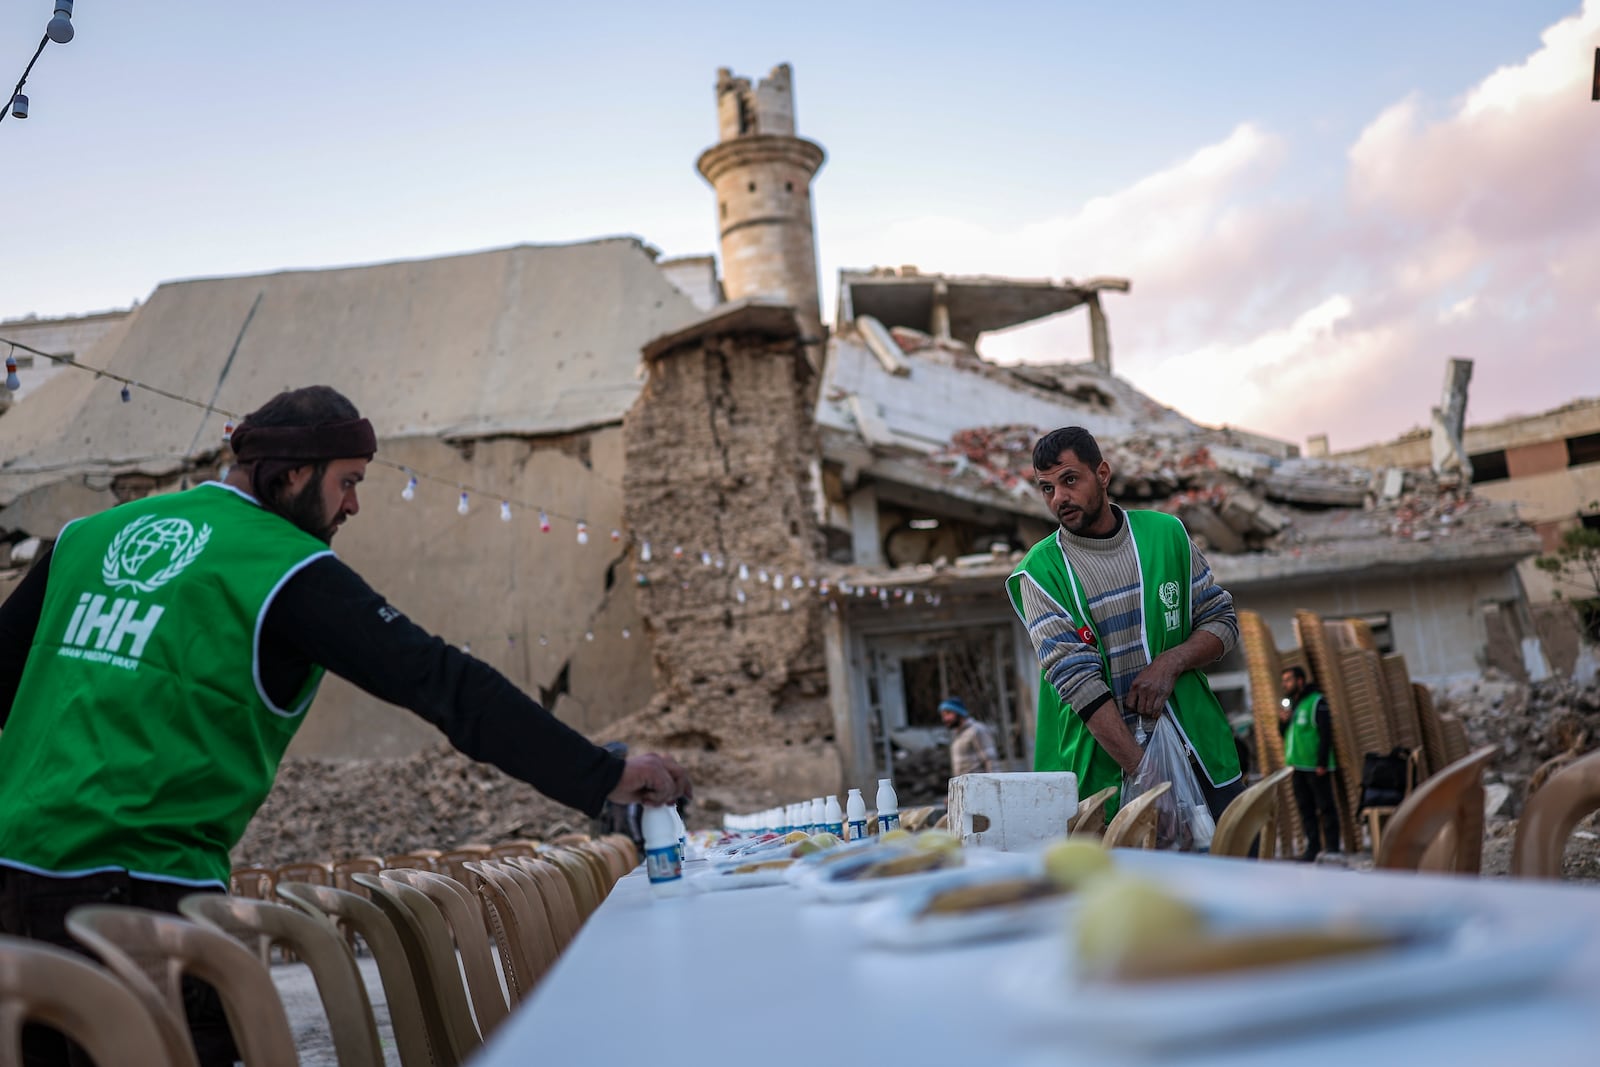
(865, 542)
(941, 310)
(1099, 334)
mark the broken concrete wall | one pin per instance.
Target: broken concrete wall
(719, 453)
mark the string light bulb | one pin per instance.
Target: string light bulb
(227, 432)
(583, 533)
(127, 394)
(616, 535)
(463, 507)
(677, 551)
(784, 604)
(19, 106)
(738, 594)
(60, 28)
(544, 522)
(410, 491)
(744, 573)
(13, 383)
(505, 511)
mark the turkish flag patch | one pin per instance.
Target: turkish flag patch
(1086, 635)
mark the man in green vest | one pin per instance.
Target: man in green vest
(1308, 748)
(156, 662)
(1123, 612)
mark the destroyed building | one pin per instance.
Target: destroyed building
(793, 538)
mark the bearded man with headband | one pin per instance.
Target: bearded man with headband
(155, 664)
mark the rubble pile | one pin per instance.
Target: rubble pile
(330, 809)
(923, 776)
(1538, 728)
(1235, 499)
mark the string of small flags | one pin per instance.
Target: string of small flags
(781, 588)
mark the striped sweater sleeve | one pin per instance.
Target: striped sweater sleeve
(1070, 665)
(1211, 606)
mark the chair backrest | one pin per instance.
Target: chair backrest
(556, 893)
(164, 948)
(358, 913)
(43, 984)
(630, 851)
(418, 859)
(520, 924)
(423, 932)
(1090, 817)
(1134, 826)
(1449, 803)
(1252, 813)
(603, 861)
(316, 941)
(452, 861)
(253, 882)
(1550, 815)
(315, 872)
(343, 869)
(569, 839)
(578, 880)
(464, 914)
(615, 863)
(506, 849)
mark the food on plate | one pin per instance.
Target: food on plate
(826, 839)
(762, 865)
(794, 837)
(935, 841)
(805, 847)
(1130, 930)
(1071, 864)
(894, 835)
(1006, 893)
(902, 863)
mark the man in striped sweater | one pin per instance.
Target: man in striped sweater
(1123, 612)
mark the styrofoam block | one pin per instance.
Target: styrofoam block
(1022, 811)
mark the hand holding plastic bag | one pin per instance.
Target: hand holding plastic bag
(1183, 821)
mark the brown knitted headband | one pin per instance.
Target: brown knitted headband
(348, 439)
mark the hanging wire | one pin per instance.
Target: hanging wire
(6, 110)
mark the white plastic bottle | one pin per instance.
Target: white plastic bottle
(888, 806)
(855, 810)
(832, 816)
(683, 832)
(817, 817)
(663, 860)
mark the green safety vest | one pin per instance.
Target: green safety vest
(1301, 741)
(1062, 741)
(140, 738)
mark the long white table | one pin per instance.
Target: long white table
(765, 976)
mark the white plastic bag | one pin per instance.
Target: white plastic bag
(1183, 822)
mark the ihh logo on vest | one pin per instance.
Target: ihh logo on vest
(1169, 600)
(145, 555)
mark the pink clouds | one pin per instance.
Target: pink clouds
(1470, 228)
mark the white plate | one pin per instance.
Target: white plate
(729, 877)
(1471, 957)
(826, 888)
(898, 922)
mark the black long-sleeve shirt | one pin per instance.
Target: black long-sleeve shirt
(327, 615)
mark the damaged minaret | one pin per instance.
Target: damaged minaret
(762, 176)
(1449, 423)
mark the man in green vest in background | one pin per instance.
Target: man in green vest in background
(1123, 612)
(156, 662)
(1308, 748)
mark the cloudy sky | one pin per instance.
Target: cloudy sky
(1316, 208)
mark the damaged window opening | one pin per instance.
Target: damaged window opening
(1489, 467)
(1584, 449)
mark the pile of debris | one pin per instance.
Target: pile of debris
(1237, 499)
(1538, 728)
(331, 809)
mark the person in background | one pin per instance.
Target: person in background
(972, 749)
(1123, 611)
(156, 662)
(1308, 747)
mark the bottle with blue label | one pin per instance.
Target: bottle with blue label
(663, 856)
(888, 806)
(832, 817)
(855, 813)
